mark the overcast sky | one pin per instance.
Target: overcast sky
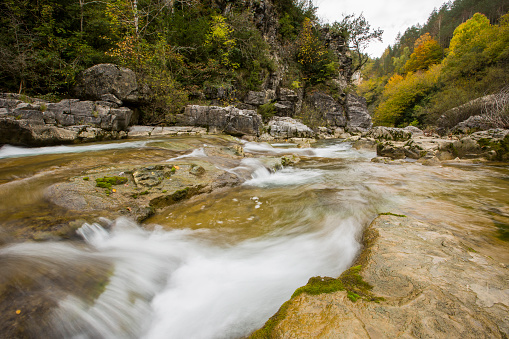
(392, 16)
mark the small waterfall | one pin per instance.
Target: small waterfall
(197, 153)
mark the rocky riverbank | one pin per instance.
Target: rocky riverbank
(415, 280)
(394, 145)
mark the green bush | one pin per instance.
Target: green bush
(267, 110)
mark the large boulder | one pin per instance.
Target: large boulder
(357, 112)
(259, 98)
(473, 123)
(389, 133)
(285, 127)
(330, 108)
(414, 280)
(107, 82)
(230, 120)
(35, 122)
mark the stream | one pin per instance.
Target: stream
(219, 264)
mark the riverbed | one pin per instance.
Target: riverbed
(217, 265)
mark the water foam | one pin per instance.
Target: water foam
(337, 150)
(197, 153)
(284, 177)
(180, 284)
(8, 151)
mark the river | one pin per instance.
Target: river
(220, 264)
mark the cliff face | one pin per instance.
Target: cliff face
(286, 90)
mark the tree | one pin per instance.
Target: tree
(358, 34)
(468, 31)
(403, 95)
(220, 40)
(427, 52)
(316, 61)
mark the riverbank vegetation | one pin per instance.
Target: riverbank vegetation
(182, 51)
(461, 53)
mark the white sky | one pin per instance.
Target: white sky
(392, 16)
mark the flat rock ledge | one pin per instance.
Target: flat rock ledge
(430, 149)
(428, 285)
(151, 131)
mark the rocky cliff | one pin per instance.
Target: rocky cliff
(34, 122)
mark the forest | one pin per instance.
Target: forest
(178, 49)
(461, 53)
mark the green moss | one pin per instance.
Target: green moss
(396, 215)
(181, 194)
(266, 331)
(350, 281)
(500, 147)
(144, 192)
(319, 285)
(107, 182)
(353, 296)
(86, 178)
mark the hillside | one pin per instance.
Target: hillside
(461, 53)
(183, 52)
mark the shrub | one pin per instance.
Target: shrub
(267, 110)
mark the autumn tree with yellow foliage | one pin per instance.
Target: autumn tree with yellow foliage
(476, 64)
(426, 52)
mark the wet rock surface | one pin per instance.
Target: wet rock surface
(431, 149)
(432, 285)
(138, 191)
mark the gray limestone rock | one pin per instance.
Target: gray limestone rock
(357, 112)
(107, 81)
(285, 127)
(36, 123)
(259, 98)
(388, 133)
(330, 108)
(230, 120)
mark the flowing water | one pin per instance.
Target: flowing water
(218, 265)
